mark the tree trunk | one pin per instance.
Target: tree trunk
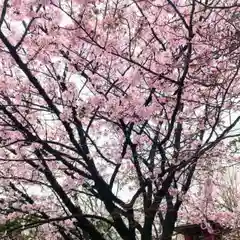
(168, 225)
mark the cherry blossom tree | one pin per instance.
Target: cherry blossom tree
(111, 111)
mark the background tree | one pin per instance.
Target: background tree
(128, 103)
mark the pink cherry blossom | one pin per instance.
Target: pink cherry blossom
(116, 115)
